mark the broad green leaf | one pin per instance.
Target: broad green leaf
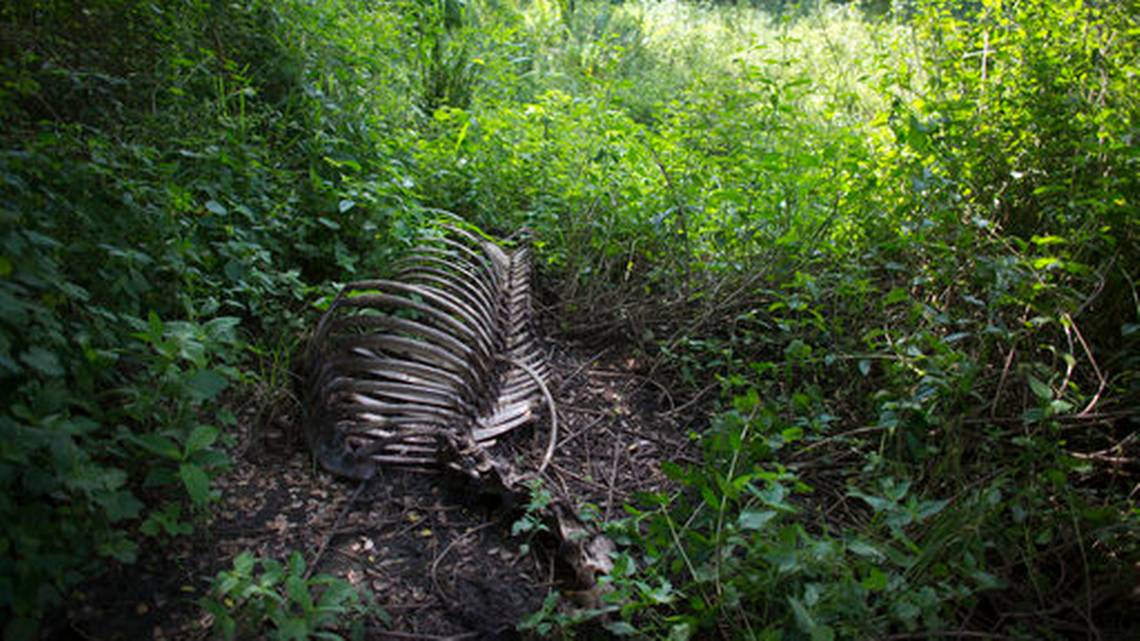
(154, 325)
(822, 633)
(298, 592)
(120, 548)
(217, 208)
(202, 437)
(621, 628)
(293, 629)
(930, 508)
(681, 632)
(1060, 407)
(896, 295)
(864, 549)
(243, 563)
(876, 581)
(1040, 389)
(296, 564)
(272, 572)
(43, 361)
(196, 481)
(797, 350)
(803, 618)
(120, 505)
(755, 519)
(160, 445)
(335, 595)
(206, 384)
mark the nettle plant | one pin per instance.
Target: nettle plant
(184, 450)
(746, 544)
(265, 599)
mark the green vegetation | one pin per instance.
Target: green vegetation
(900, 241)
(278, 602)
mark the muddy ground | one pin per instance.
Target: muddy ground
(437, 553)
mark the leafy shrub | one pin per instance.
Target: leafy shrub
(903, 248)
(168, 184)
(282, 602)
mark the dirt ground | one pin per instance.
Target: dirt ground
(437, 553)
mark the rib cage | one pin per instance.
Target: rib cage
(433, 366)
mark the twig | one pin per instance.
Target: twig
(1001, 381)
(585, 410)
(1100, 377)
(578, 477)
(825, 441)
(724, 498)
(613, 477)
(1099, 286)
(960, 634)
(581, 431)
(1102, 417)
(446, 549)
(1092, 632)
(335, 527)
(644, 379)
(1102, 458)
(426, 637)
(689, 403)
(578, 370)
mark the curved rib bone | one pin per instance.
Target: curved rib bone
(443, 350)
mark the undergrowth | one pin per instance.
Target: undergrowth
(895, 242)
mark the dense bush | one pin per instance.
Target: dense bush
(905, 248)
(899, 239)
(172, 176)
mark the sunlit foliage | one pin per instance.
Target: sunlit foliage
(896, 240)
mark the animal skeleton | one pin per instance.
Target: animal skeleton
(433, 366)
(438, 366)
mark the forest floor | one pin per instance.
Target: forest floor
(438, 555)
